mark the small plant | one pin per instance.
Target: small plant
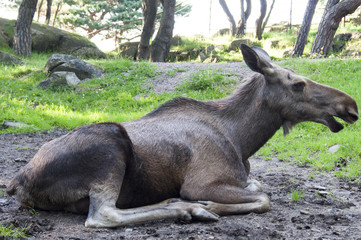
(296, 195)
(33, 212)
(311, 175)
(10, 232)
(175, 70)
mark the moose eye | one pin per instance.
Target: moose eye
(298, 87)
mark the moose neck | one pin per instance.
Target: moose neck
(249, 120)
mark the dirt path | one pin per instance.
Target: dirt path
(330, 208)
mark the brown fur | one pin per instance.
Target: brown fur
(187, 149)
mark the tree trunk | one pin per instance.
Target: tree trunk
(161, 44)
(22, 34)
(57, 10)
(334, 12)
(259, 20)
(291, 16)
(39, 9)
(149, 15)
(268, 15)
(229, 16)
(305, 28)
(48, 12)
(241, 27)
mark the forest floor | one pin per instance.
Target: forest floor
(329, 208)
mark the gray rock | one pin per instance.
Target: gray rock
(176, 40)
(66, 63)
(8, 59)
(60, 79)
(128, 49)
(15, 124)
(334, 148)
(210, 49)
(50, 39)
(201, 57)
(236, 44)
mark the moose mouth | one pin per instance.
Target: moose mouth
(332, 124)
(336, 126)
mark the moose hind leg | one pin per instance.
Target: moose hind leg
(227, 199)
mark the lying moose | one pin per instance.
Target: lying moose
(186, 159)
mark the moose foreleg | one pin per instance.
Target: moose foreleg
(253, 185)
(103, 212)
(231, 200)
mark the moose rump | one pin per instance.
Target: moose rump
(66, 169)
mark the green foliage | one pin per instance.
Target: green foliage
(10, 232)
(97, 15)
(204, 80)
(112, 18)
(296, 195)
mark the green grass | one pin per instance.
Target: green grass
(11, 232)
(123, 94)
(296, 195)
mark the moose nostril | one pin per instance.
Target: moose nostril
(354, 117)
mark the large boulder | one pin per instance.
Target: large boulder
(128, 50)
(236, 44)
(339, 41)
(66, 63)
(60, 79)
(50, 39)
(8, 59)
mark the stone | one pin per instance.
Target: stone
(128, 50)
(210, 49)
(176, 40)
(50, 39)
(8, 59)
(66, 63)
(201, 57)
(60, 79)
(15, 124)
(334, 148)
(222, 32)
(236, 44)
(271, 44)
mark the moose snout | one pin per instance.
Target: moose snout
(353, 116)
(350, 115)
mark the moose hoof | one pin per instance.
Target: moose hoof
(253, 186)
(204, 215)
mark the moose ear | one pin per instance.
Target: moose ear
(257, 59)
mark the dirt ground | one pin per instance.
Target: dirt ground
(329, 209)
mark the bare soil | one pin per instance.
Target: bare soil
(329, 209)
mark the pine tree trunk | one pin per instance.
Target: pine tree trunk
(229, 16)
(259, 20)
(332, 16)
(305, 28)
(22, 35)
(48, 12)
(241, 27)
(264, 24)
(39, 9)
(161, 44)
(149, 15)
